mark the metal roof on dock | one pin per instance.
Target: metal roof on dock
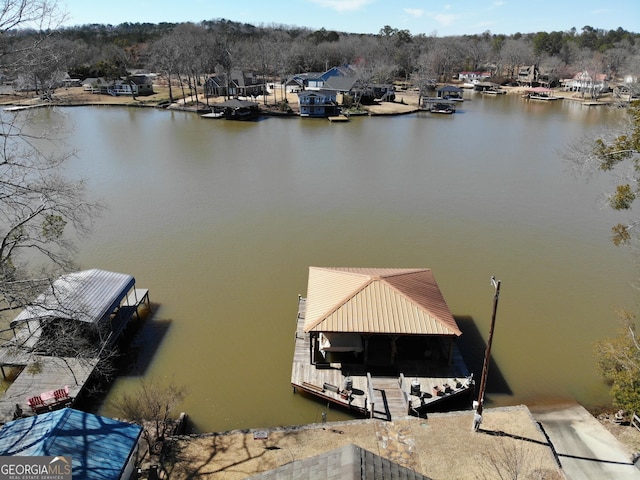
(404, 301)
(87, 296)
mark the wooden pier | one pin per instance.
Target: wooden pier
(374, 394)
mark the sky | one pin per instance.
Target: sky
(429, 17)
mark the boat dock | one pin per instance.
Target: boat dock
(416, 387)
(38, 380)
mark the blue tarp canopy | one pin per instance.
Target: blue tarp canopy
(99, 447)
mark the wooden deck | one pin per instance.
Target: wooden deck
(375, 395)
(43, 374)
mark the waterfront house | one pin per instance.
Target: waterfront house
(585, 82)
(239, 84)
(320, 103)
(373, 330)
(99, 448)
(294, 84)
(134, 85)
(528, 75)
(41, 349)
(343, 85)
(317, 80)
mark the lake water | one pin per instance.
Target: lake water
(221, 220)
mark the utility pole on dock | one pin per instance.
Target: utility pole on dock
(477, 417)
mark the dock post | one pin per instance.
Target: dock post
(477, 417)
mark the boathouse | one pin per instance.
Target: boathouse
(40, 358)
(378, 340)
(449, 92)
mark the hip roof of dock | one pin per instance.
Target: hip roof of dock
(404, 301)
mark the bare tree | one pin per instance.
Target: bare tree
(165, 57)
(40, 209)
(515, 53)
(153, 406)
(43, 69)
(513, 459)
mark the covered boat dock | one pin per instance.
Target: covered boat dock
(540, 93)
(380, 342)
(96, 304)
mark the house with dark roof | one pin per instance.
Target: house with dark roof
(343, 85)
(346, 463)
(318, 80)
(100, 448)
(239, 84)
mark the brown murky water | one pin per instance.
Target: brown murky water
(220, 220)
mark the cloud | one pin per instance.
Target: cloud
(343, 5)
(498, 3)
(414, 12)
(445, 19)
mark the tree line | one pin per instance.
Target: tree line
(187, 52)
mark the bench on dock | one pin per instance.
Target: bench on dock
(49, 400)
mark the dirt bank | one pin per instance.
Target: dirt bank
(440, 447)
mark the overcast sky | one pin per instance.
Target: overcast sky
(430, 17)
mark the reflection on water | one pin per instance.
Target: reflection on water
(220, 220)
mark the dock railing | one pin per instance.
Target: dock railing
(403, 387)
(635, 420)
(370, 392)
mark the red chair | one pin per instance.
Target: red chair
(61, 394)
(36, 403)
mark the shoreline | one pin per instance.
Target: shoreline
(408, 101)
(441, 446)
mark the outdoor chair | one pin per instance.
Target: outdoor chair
(61, 394)
(36, 403)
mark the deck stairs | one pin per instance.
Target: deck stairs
(389, 400)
